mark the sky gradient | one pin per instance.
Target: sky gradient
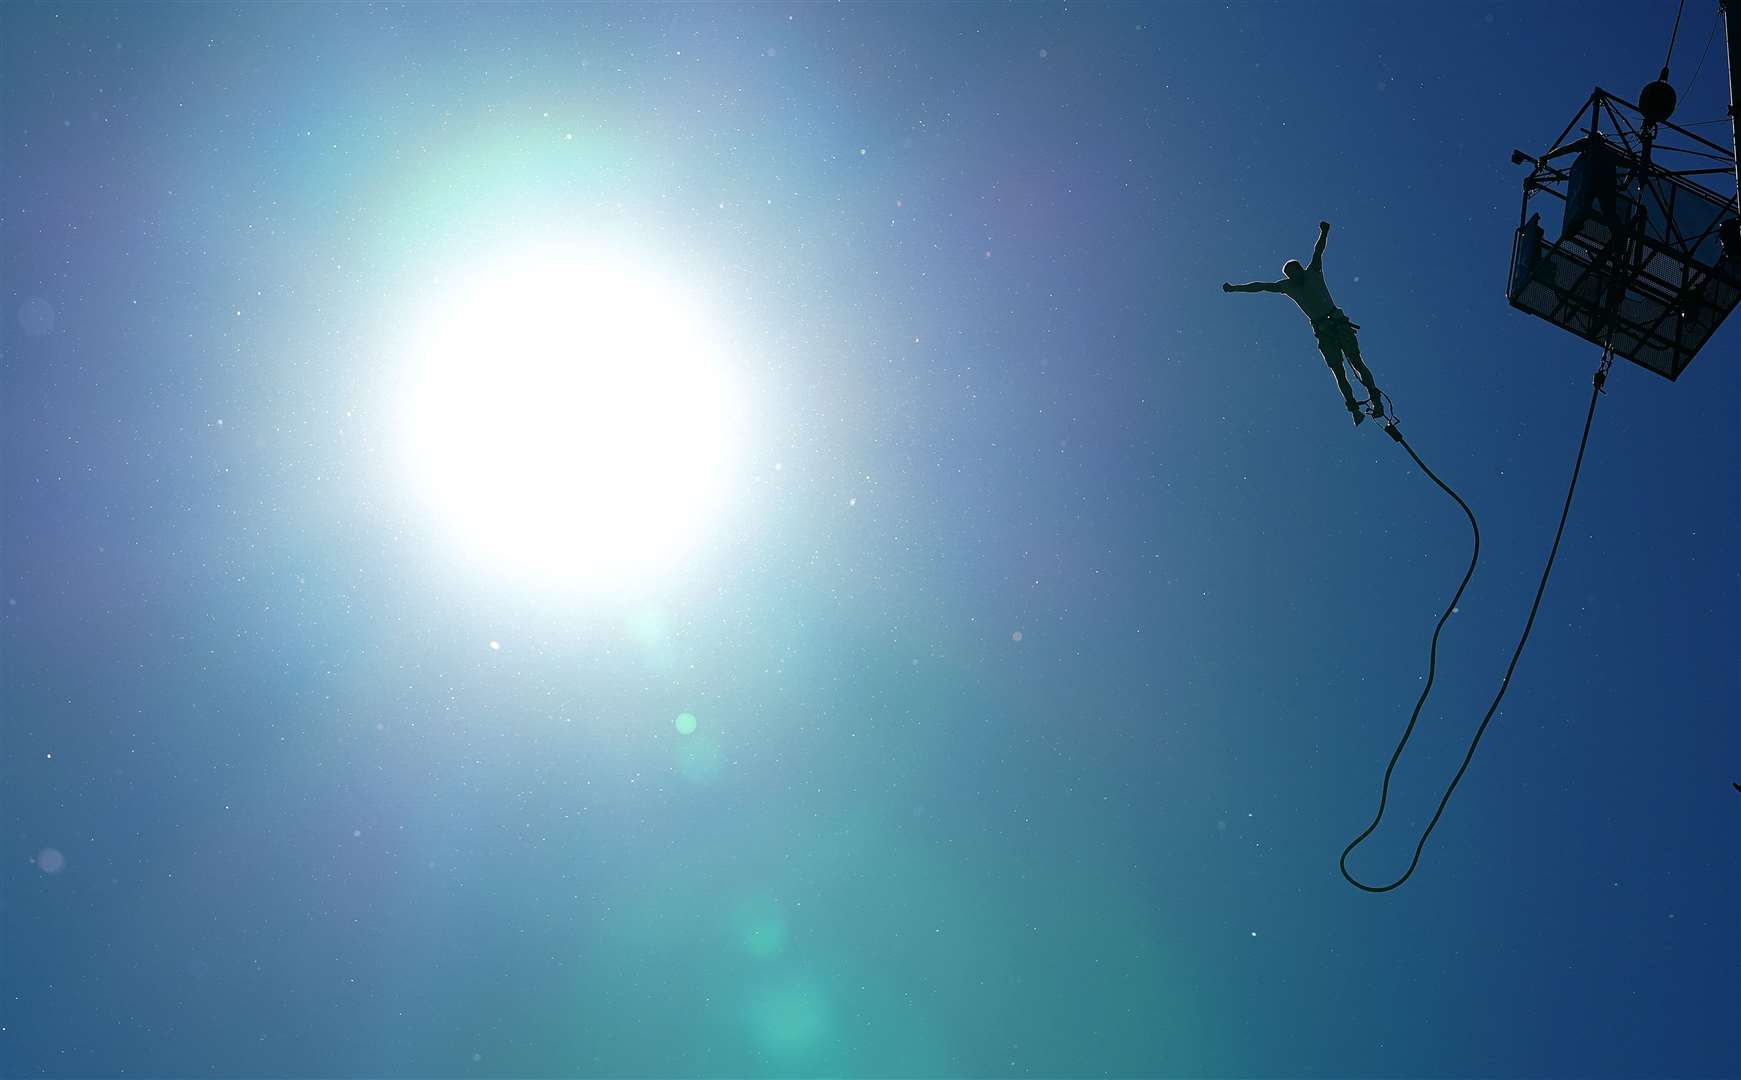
(1051, 630)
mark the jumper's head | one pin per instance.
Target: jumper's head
(1293, 269)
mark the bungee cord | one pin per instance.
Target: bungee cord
(1392, 429)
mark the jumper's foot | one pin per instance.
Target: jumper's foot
(1359, 416)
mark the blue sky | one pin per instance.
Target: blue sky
(1047, 630)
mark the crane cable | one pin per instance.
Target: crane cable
(1700, 66)
(1395, 433)
(1676, 32)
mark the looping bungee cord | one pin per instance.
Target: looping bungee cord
(1391, 428)
(1395, 432)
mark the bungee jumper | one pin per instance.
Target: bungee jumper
(1305, 286)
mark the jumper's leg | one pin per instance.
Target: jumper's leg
(1352, 349)
(1334, 359)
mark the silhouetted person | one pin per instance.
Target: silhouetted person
(1304, 285)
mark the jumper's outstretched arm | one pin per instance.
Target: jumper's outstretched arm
(1254, 286)
(1318, 249)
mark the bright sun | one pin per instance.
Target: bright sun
(568, 419)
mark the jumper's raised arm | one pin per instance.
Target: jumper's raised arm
(1318, 248)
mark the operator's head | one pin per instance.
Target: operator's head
(1293, 269)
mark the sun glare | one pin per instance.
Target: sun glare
(568, 419)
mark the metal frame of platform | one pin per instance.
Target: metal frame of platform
(1643, 265)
